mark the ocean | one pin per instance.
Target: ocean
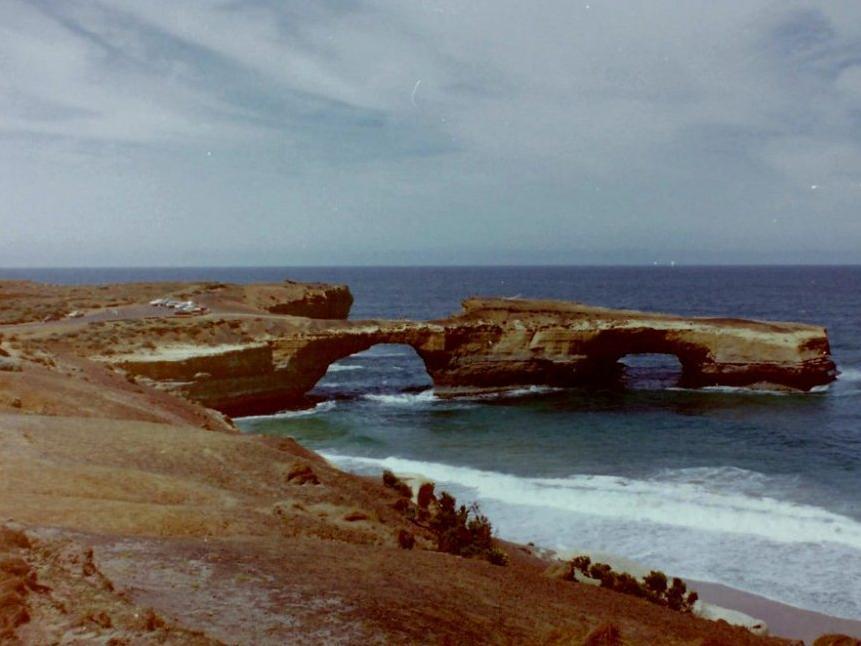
(759, 491)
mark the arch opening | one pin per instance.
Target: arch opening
(651, 371)
(381, 369)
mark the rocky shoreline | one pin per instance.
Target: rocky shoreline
(132, 509)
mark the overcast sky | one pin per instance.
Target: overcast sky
(192, 132)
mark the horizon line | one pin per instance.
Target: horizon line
(664, 265)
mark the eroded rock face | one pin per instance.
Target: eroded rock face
(501, 342)
(309, 300)
(495, 344)
(252, 352)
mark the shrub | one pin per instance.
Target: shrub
(653, 587)
(497, 556)
(392, 481)
(425, 496)
(656, 582)
(465, 531)
(459, 530)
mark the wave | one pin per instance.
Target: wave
(403, 399)
(736, 390)
(704, 523)
(383, 351)
(321, 407)
(847, 384)
(343, 367)
(681, 501)
(426, 397)
(512, 393)
(849, 375)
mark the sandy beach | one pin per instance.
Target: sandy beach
(783, 620)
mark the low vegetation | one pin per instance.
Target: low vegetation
(655, 587)
(458, 529)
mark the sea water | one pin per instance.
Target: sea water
(759, 491)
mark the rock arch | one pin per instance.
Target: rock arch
(495, 344)
(500, 342)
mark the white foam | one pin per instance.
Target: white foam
(403, 399)
(678, 503)
(847, 384)
(736, 390)
(850, 375)
(343, 367)
(513, 393)
(321, 407)
(710, 524)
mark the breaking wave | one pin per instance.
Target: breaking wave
(344, 367)
(850, 375)
(403, 399)
(736, 390)
(514, 393)
(698, 503)
(321, 407)
(712, 524)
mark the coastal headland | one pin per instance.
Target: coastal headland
(132, 509)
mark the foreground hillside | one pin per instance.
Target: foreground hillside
(129, 514)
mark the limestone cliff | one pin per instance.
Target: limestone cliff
(501, 342)
(245, 363)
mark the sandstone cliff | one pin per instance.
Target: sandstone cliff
(246, 356)
(500, 342)
(250, 364)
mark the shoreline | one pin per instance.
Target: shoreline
(783, 620)
(778, 615)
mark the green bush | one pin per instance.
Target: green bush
(656, 582)
(460, 530)
(394, 482)
(653, 587)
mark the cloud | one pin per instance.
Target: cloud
(340, 131)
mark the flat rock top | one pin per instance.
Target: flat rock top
(496, 308)
(28, 301)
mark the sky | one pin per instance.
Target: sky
(331, 132)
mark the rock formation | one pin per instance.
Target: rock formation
(266, 364)
(252, 352)
(501, 342)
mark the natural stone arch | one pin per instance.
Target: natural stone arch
(492, 344)
(649, 370)
(607, 348)
(382, 369)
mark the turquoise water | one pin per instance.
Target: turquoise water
(758, 491)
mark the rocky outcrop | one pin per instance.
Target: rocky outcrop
(316, 301)
(502, 342)
(257, 378)
(494, 344)
(260, 348)
(309, 300)
(27, 301)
